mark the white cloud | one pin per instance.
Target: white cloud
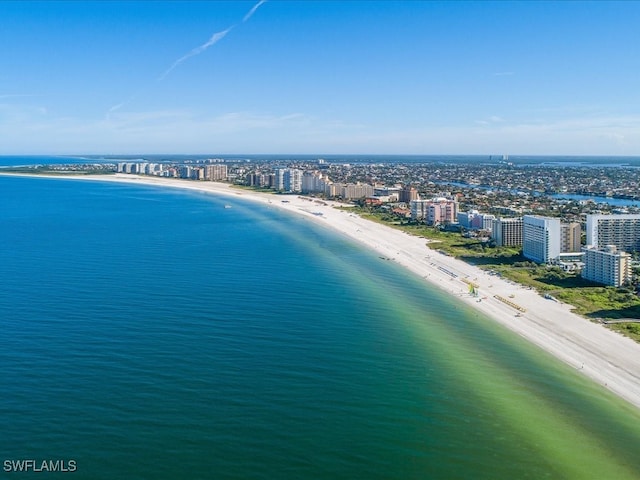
(17, 116)
(33, 130)
(493, 119)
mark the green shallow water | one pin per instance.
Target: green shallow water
(155, 334)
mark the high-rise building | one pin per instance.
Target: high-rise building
(507, 232)
(418, 208)
(293, 180)
(184, 171)
(288, 179)
(570, 234)
(607, 266)
(356, 190)
(332, 189)
(408, 194)
(313, 182)
(260, 180)
(486, 221)
(215, 172)
(540, 238)
(252, 180)
(476, 220)
(623, 231)
(197, 173)
(465, 219)
(279, 179)
(128, 167)
(436, 211)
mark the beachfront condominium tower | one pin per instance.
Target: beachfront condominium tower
(607, 266)
(540, 238)
(507, 232)
(215, 173)
(353, 191)
(288, 179)
(570, 234)
(439, 210)
(475, 220)
(623, 231)
(486, 221)
(465, 219)
(314, 182)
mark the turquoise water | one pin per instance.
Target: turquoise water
(149, 333)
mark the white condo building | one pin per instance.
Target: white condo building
(486, 221)
(465, 218)
(607, 266)
(475, 220)
(288, 179)
(314, 182)
(541, 238)
(623, 231)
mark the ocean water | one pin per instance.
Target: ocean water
(151, 333)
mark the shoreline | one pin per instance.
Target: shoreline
(600, 354)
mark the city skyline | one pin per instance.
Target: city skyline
(320, 77)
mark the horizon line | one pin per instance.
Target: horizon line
(321, 154)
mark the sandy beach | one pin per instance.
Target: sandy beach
(606, 357)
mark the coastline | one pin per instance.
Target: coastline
(602, 355)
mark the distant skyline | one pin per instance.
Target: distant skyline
(320, 77)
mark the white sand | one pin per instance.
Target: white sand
(601, 354)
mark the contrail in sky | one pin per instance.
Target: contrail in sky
(120, 105)
(253, 10)
(215, 38)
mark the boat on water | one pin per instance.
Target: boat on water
(227, 206)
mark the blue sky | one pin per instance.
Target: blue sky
(411, 77)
